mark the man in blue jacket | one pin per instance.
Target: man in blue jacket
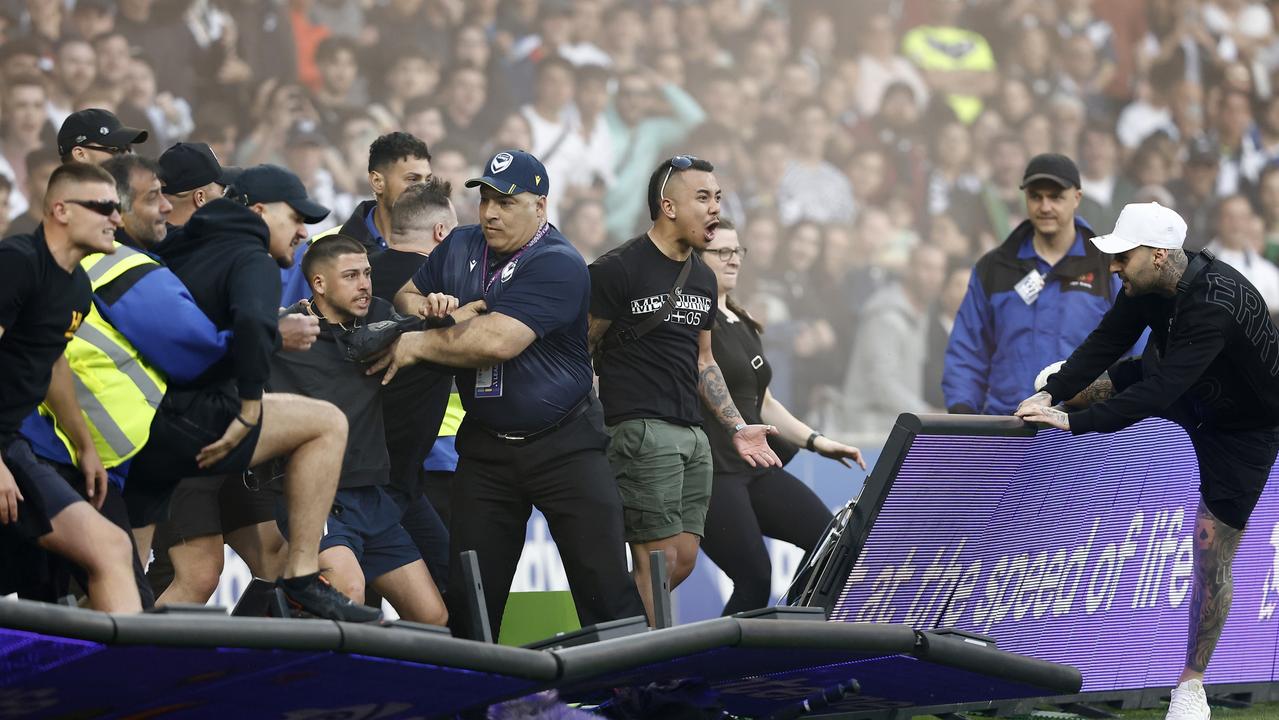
(1032, 300)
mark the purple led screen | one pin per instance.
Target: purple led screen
(1075, 550)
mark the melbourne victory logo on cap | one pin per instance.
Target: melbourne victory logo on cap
(501, 161)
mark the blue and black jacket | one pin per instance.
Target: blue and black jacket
(1000, 343)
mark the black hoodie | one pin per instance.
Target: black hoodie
(221, 256)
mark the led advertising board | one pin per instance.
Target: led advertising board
(1076, 550)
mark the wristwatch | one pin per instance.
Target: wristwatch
(812, 439)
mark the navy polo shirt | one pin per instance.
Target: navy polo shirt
(547, 288)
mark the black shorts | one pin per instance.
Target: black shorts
(1234, 465)
(45, 492)
(185, 423)
(215, 506)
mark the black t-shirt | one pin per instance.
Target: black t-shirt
(41, 307)
(413, 404)
(1212, 346)
(740, 356)
(656, 375)
(392, 269)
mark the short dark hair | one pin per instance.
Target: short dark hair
(418, 202)
(659, 176)
(327, 248)
(76, 173)
(393, 147)
(329, 48)
(121, 168)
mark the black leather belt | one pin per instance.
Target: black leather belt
(523, 438)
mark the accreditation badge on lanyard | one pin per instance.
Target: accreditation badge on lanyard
(1028, 288)
(488, 380)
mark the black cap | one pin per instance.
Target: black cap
(272, 183)
(96, 126)
(1053, 167)
(511, 172)
(187, 166)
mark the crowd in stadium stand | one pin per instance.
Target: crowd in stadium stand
(846, 135)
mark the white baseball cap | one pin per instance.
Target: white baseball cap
(1149, 224)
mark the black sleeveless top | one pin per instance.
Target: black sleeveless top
(740, 356)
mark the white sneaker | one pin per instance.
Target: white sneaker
(1189, 702)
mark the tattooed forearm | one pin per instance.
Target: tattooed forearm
(1215, 547)
(710, 383)
(1101, 390)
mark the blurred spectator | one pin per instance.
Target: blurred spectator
(811, 188)
(465, 96)
(25, 123)
(1106, 191)
(7, 193)
(113, 55)
(74, 69)
(1068, 117)
(415, 23)
(1002, 205)
(451, 164)
(1153, 113)
(339, 85)
(411, 72)
(879, 66)
(1033, 62)
(553, 118)
(40, 164)
(594, 172)
(941, 322)
(952, 188)
(1268, 192)
(425, 120)
(1194, 192)
(1078, 20)
(886, 373)
(167, 116)
(92, 18)
(584, 227)
(1236, 244)
(642, 129)
(953, 57)
(1242, 156)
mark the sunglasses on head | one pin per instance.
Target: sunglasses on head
(106, 208)
(679, 162)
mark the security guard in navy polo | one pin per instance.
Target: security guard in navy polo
(533, 434)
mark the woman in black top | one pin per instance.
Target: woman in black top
(748, 503)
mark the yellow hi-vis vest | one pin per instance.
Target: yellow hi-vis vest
(118, 390)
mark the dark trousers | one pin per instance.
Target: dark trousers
(566, 476)
(744, 508)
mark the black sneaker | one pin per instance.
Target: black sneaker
(313, 596)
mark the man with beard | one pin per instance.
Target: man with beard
(144, 209)
(1211, 366)
(396, 161)
(364, 545)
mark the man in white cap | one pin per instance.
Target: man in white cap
(1212, 366)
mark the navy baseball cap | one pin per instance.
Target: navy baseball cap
(187, 166)
(272, 183)
(511, 172)
(96, 126)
